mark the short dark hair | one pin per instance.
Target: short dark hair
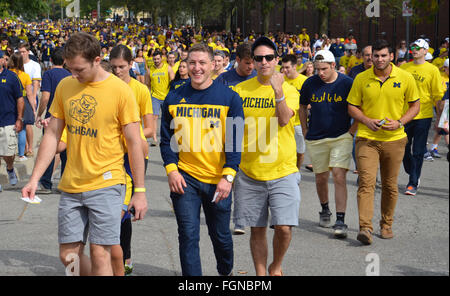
(25, 45)
(157, 52)
(382, 44)
(202, 47)
(57, 57)
(289, 58)
(84, 45)
(121, 51)
(244, 50)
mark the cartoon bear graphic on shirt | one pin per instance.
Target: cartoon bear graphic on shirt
(83, 109)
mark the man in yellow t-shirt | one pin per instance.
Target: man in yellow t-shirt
(268, 159)
(160, 76)
(379, 101)
(295, 79)
(97, 108)
(429, 85)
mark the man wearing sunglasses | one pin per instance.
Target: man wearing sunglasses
(431, 91)
(268, 178)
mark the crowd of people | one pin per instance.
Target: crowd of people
(237, 115)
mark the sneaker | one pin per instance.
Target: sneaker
(411, 190)
(427, 156)
(128, 269)
(12, 177)
(340, 229)
(22, 158)
(238, 231)
(325, 219)
(434, 153)
(386, 233)
(1, 188)
(365, 237)
(309, 167)
(42, 190)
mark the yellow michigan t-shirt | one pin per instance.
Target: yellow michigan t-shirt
(94, 114)
(269, 151)
(429, 84)
(379, 99)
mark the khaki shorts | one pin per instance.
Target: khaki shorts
(330, 153)
(8, 140)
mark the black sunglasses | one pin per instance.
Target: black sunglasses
(268, 57)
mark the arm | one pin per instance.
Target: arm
(47, 151)
(303, 114)
(132, 136)
(44, 101)
(414, 108)
(148, 126)
(169, 156)
(282, 111)
(36, 87)
(20, 108)
(29, 92)
(358, 115)
(234, 132)
(171, 73)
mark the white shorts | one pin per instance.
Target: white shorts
(299, 139)
(8, 140)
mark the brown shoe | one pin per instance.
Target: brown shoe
(386, 233)
(365, 237)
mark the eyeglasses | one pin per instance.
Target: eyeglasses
(415, 47)
(259, 58)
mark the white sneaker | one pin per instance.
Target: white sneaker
(22, 158)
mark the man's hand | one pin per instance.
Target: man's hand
(139, 203)
(372, 124)
(391, 125)
(29, 190)
(276, 81)
(18, 126)
(223, 189)
(176, 182)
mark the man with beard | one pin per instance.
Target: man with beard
(382, 100)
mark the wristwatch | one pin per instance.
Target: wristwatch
(229, 178)
(401, 124)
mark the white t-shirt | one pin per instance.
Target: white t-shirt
(34, 70)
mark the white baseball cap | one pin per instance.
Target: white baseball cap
(421, 43)
(446, 63)
(324, 56)
(428, 57)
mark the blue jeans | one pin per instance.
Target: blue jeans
(187, 211)
(417, 131)
(22, 140)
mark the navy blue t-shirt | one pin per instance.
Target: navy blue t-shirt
(232, 78)
(337, 50)
(329, 115)
(10, 91)
(50, 81)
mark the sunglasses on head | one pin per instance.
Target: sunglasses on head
(259, 58)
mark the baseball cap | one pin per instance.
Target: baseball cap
(428, 57)
(421, 43)
(324, 56)
(446, 63)
(264, 41)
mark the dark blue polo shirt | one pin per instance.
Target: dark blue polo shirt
(10, 91)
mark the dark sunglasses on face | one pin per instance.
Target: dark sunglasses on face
(259, 58)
